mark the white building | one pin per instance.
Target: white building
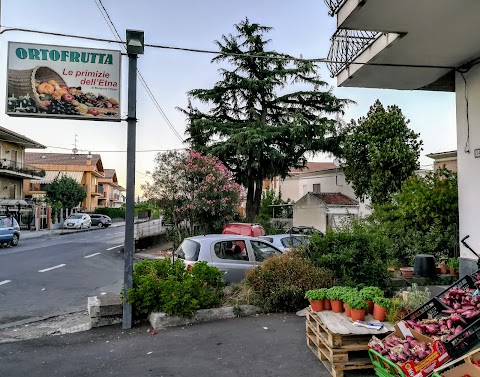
(420, 45)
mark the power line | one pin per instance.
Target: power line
(116, 34)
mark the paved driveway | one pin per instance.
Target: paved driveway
(265, 345)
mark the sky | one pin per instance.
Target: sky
(298, 30)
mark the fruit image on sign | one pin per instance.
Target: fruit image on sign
(63, 82)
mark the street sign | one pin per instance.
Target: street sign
(63, 82)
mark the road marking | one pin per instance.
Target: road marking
(91, 255)
(111, 248)
(118, 233)
(5, 282)
(52, 268)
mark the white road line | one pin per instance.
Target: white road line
(52, 268)
(91, 255)
(111, 248)
(5, 282)
(117, 233)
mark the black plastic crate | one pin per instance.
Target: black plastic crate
(476, 275)
(465, 341)
(432, 309)
(467, 282)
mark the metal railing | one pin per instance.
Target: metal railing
(334, 6)
(22, 168)
(346, 46)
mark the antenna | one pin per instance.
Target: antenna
(336, 162)
(75, 149)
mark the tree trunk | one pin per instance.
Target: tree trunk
(258, 197)
(250, 210)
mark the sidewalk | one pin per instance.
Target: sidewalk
(26, 234)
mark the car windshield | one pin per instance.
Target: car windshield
(188, 250)
(290, 241)
(75, 217)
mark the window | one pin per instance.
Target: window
(263, 250)
(231, 250)
(290, 241)
(316, 188)
(340, 178)
(188, 250)
(7, 222)
(304, 189)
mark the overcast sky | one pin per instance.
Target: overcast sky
(299, 28)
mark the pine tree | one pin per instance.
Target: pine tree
(257, 126)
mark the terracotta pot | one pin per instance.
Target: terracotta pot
(348, 312)
(442, 268)
(370, 306)
(453, 272)
(358, 314)
(407, 272)
(337, 306)
(326, 304)
(379, 313)
(316, 305)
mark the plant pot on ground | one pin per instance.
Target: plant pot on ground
(369, 294)
(316, 296)
(358, 307)
(380, 308)
(407, 272)
(452, 266)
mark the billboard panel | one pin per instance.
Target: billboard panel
(63, 82)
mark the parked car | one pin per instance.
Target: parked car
(9, 231)
(285, 242)
(77, 221)
(231, 254)
(244, 229)
(305, 230)
(100, 220)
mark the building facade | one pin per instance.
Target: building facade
(112, 192)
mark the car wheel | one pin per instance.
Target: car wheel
(100, 225)
(14, 241)
(81, 226)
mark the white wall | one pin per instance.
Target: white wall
(468, 165)
(310, 211)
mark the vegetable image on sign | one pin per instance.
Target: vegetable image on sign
(63, 82)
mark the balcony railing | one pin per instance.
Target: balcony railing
(334, 6)
(15, 167)
(346, 46)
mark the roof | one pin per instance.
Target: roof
(439, 155)
(335, 198)
(13, 137)
(32, 158)
(50, 175)
(109, 173)
(314, 166)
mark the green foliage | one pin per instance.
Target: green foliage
(380, 153)
(415, 297)
(453, 264)
(369, 293)
(163, 286)
(382, 302)
(64, 192)
(281, 281)
(356, 256)
(395, 309)
(256, 124)
(113, 213)
(421, 219)
(354, 301)
(266, 214)
(338, 292)
(316, 294)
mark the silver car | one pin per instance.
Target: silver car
(77, 221)
(232, 254)
(285, 242)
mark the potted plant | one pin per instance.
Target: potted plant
(358, 306)
(442, 267)
(316, 296)
(381, 305)
(335, 295)
(368, 294)
(452, 265)
(407, 272)
(395, 309)
(347, 293)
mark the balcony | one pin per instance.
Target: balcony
(17, 169)
(346, 46)
(334, 6)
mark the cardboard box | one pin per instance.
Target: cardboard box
(460, 371)
(426, 367)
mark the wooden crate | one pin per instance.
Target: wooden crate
(338, 353)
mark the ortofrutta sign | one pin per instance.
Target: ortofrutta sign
(64, 82)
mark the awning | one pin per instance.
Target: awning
(50, 175)
(13, 202)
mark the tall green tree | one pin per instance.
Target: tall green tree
(64, 192)
(380, 153)
(257, 124)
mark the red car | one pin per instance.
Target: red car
(244, 229)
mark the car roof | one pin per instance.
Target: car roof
(220, 237)
(276, 236)
(247, 224)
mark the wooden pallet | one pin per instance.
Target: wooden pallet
(338, 353)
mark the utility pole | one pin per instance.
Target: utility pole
(135, 46)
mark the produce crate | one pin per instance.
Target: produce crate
(467, 282)
(476, 275)
(467, 364)
(432, 309)
(384, 367)
(338, 353)
(467, 340)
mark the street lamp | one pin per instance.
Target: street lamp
(135, 46)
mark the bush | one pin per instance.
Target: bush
(160, 286)
(356, 256)
(281, 281)
(113, 213)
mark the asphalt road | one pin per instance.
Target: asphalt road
(55, 274)
(266, 345)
